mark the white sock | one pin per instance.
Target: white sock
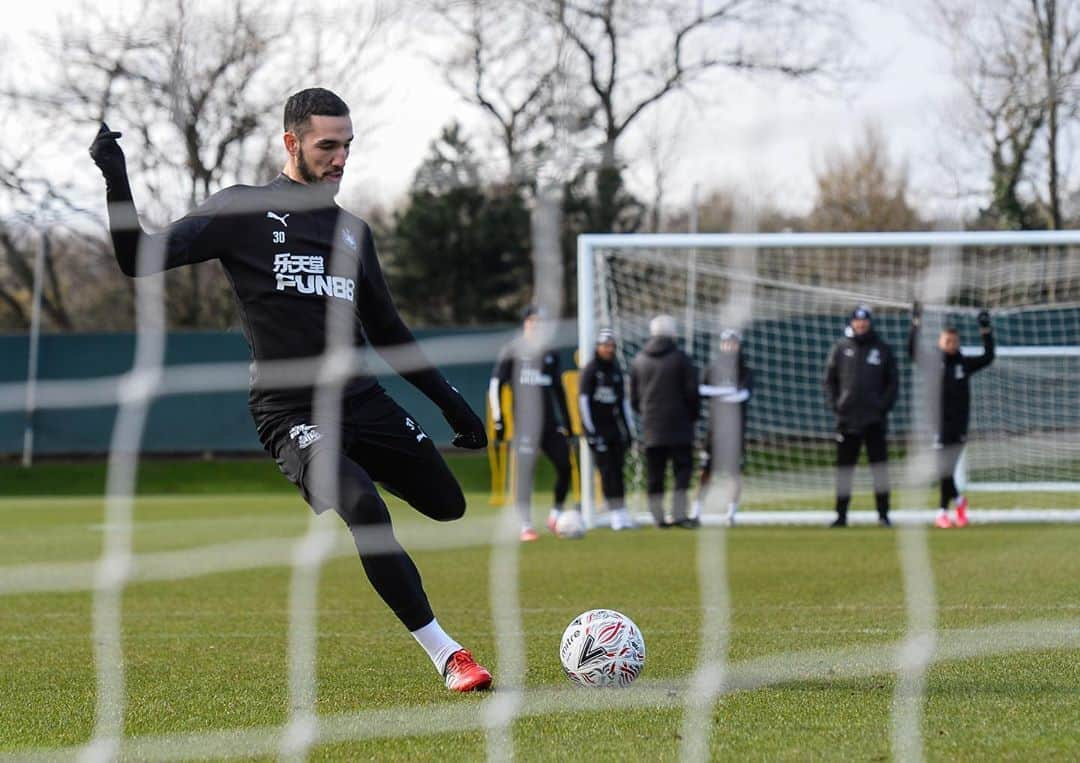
(553, 515)
(695, 509)
(438, 645)
(732, 508)
(943, 512)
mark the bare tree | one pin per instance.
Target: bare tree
(197, 89)
(504, 59)
(1018, 62)
(637, 53)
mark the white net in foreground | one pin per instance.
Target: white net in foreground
(791, 295)
(304, 729)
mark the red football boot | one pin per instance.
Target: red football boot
(961, 512)
(463, 673)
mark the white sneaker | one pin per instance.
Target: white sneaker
(621, 520)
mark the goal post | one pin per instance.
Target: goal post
(790, 294)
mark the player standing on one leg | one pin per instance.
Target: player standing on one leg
(947, 372)
(861, 385)
(605, 417)
(541, 416)
(727, 385)
(276, 243)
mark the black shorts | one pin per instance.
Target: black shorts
(376, 434)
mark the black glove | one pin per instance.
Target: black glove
(468, 428)
(984, 319)
(563, 431)
(596, 442)
(500, 430)
(916, 312)
(109, 158)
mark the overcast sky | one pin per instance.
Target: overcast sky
(760, 137)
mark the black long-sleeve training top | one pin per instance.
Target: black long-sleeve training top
(523, 365)
(294, 259)
(954, 374)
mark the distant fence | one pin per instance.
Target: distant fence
(216, 422)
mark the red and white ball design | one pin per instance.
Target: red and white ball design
(602, 647)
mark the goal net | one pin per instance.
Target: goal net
(791, 296)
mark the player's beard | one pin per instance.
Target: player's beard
(325, 187)
(304, 168)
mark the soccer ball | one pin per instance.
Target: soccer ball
(602, 647)
(570, 525)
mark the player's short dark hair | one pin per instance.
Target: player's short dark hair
(312, 102)
(950, 329)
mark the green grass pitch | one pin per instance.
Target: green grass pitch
(209, 652)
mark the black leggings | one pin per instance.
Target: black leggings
(682, 463)
(848, 445)
(554, 446)
(380, 443)
(947, 457)
(610, 462)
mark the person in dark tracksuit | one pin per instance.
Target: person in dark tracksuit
(728, 385)
(664, 392)
(605, 418)
(541, 416)
(946, 375)
(861, 385)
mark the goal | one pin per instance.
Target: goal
(791, 294)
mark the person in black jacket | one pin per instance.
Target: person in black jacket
(605, 417)
(301, 267)
(541, 416)
(664, 392)
(728, 385)
(946, 375)
(861, 384)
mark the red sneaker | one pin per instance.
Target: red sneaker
(528, 535)
(961, 512)
(463, 673)
(942, 521)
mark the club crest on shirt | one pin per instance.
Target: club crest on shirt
(873, 358)
(348, 238)
(304, 434)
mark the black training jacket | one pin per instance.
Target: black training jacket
(602, 386)
(861, 380)
(294, 259)
(953, 372)
(526, 367)
(664, 392)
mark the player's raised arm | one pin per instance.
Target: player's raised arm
(183, 241)
(892, 380)
(913, 332)
(385, 328)
(986, 332)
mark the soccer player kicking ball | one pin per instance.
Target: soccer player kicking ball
(605, 416)
(951, 410)
(296, 262)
